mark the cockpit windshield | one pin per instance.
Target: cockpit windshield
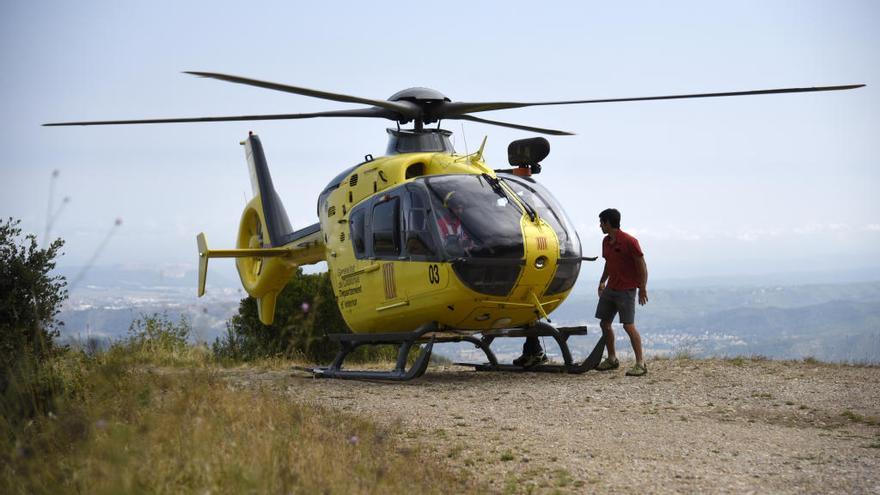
(549, 210)
(475, 218)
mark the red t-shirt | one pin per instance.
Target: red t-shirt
(451, 227)
(621, 260)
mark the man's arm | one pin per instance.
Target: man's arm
(643, 280)
(603, 279)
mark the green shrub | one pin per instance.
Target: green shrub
(155, 339)
(30, 299)
(305, 312)
(153, 334)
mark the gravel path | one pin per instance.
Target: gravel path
(719, 426)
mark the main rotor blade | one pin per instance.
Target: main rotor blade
(363, 112)
(325, 95)
(459, 108)
(553, 132)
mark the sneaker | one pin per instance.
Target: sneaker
(637, 370)
(608, 364)
(529, 360)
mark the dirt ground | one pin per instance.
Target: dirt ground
(716, 426)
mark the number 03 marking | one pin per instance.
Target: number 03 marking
(434, 274)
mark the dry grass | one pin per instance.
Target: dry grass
(129, 430)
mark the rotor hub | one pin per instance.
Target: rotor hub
(419, 95)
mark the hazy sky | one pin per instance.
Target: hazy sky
(710, 187)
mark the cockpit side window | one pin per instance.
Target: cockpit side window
(419, 243)
(395, 225)
(475, 218)
(386, 228)
(358, 227)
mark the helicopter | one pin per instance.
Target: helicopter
(423, 245)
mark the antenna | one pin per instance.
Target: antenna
(91, 262)
(50, 215)
(464, 137)
(49, 210)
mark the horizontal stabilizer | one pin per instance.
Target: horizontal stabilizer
(308, 249)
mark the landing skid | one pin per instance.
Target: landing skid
(350, 342)
(541, 329)
(429, 335)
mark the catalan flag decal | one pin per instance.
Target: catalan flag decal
(390, 287)
(542, 243)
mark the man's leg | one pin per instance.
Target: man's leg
(608, 335)
(605, 311)
(532, 346)
(636, 341)
(627, 306)
(532, 353)
(609, 363)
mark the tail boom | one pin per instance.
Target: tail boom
(268, 251)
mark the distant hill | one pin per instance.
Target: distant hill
(834, 322)
(137, 276)
(208, 320)
(108, 298)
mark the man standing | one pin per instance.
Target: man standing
(625, 273)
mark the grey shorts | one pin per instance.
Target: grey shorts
(617, 301)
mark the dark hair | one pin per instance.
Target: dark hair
(611, 217)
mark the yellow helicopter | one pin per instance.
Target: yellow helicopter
(422, 245)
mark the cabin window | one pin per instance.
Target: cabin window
(419, 241)
(357, 225)
(386, 228)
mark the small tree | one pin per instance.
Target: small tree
(305, 312)
(30, 298)
(29, 301)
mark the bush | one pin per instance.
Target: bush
(155, 339)
(156, 333)
(305, 313)
(30, 299)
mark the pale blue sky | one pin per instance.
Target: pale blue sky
(711, 187)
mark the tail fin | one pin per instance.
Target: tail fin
(277, 221)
